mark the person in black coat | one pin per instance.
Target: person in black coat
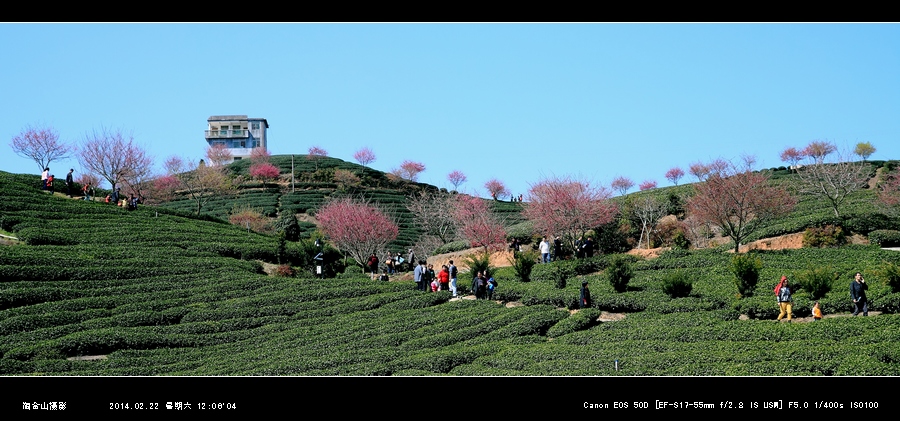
(585, 299)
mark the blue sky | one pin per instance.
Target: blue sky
(516, 102)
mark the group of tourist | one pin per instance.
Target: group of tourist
(87, 190)
(858, 287)
(583, 248)
(427, 280)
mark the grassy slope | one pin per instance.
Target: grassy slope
(169, 294)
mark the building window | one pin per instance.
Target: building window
(255, 125)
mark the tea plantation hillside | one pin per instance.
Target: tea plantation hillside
(315, 182)
(153, 292)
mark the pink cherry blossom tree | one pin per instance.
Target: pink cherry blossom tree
(699, 170)
(456, 178)
(259, 155)
(409, 170)
(818, 150)
(647, 185)
(356, 227)
(738, 201)
(674, 174)
(364, 156)
(218, 155)
(568, 208)
(264, 171)
(622, 185)
(496, 188)
(792, 156)
(40, 144)
(478, 223)
(315, 154)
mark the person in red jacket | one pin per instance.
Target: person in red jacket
(444, 278)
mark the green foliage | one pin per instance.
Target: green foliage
(816, 281)
(521, 231)
(746, 273)
(581, 320)
(612, 238)
(677, 284)
(891, 272)
(885, 238)
(288, 224)
(281, 248)
(561, 275)
(186, 297)
(452, 247)
(619, 274)
(680, 241)
(826, 236)
(523, 263)
(479, 262)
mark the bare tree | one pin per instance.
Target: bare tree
(621, 184)
(738, 201)
(140, 173)
(40, 144)
(433, 214)
(113, 155)
(649, 209)
(833, 182)
(200, 182)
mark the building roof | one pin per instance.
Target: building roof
(236, 117)
(227, 117)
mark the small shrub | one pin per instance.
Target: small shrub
(285, 271)
(479, 262)
(680, 241)
(288, 224)
(891, 273)
(677, 284)
(250, 218)
(827, 236)
(561, 275)
(523, 263)
(619, 274)
(816, 281)
(746, 272)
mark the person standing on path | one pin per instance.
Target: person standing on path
(784, 300)
(444, 278)
(454, 272)
(545, 250)
(858, 293)
(44, 176)
(584, 300)
(69, 182)
(557, 249)
(418, 275)
(373, 265)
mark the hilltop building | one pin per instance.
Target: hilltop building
(238, 133)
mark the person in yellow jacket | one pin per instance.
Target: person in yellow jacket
(817, 312)
(784, 300)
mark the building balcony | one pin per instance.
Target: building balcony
(226, 134)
